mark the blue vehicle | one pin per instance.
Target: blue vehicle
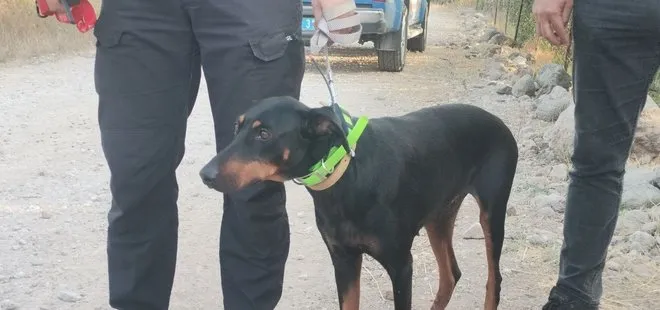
(394, 26)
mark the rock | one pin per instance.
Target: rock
(546, 212)
(559, 172)
(541, 238)
(504, 90)
(553, 201)
(650, 228)
(560, 135)
(654, 213)
(542, 171)
(493, 71)
(516, 53)
(550, 106)
(642, 242)
(500, 58)
(519, 61)
(552, 75)
(19, 275)
(631, 221)
(641, 269)
(498, 39)
(529, 148)
(650, 106)
(487, 50)
(529, 132)
(512, 211)
(69, 296)
(8, 305)
(638, 189)
(646, 145)
(524, 86)
(520, 71)
(473, 232)
(45, 215)
(614, 266)
(490, 32)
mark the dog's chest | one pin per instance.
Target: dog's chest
(347, 234)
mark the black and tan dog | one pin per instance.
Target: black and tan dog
(407, 172)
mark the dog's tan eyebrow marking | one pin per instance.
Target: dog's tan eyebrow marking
(285, 154)
(256, 124)
(241, 118)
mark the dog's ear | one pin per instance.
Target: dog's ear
(324, 121)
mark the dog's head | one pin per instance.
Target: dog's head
(278, 139)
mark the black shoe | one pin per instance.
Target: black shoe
(560, 300)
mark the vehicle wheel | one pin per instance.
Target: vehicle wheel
(395, 60)
(418, 43)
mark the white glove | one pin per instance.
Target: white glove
(331, 29)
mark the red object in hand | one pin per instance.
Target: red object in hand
(82, 14)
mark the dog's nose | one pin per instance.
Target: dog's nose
(208, 176)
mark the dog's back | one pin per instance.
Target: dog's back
(439, 147)
(438, 130)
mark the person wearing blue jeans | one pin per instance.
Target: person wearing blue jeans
(616, 55)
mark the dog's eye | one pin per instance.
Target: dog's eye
(263, 134)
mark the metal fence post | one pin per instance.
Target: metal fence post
(506, 18)
(497, 4)
(515, 37)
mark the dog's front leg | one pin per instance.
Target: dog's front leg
(399, 268)
(348, 265)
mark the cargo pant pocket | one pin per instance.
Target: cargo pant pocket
(278, 64)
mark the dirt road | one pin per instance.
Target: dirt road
(54, 189)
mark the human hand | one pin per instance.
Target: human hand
(321, 6)
(55, 6)
(551, 19)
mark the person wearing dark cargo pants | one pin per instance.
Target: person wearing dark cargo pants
(616, 55)
(147, 74)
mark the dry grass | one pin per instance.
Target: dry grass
(23, 34)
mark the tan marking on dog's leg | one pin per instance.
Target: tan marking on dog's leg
(490, 302)
(351, 298)
(241, 119)
(440, 238)
(256, 124)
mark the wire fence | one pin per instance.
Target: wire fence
(514, 18)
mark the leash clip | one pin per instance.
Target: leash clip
(329, 82)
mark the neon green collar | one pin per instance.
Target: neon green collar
(326, 166)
